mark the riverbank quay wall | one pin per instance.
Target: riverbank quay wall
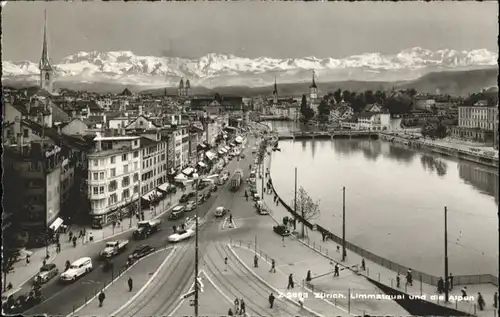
(329, 135)
(398, 268)
(443, 150)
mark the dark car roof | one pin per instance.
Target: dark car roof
(48, 267)
(142, 247)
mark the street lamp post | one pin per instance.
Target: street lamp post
(343, 224)
(446, 284)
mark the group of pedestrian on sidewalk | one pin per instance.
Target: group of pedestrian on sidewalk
(239, 308)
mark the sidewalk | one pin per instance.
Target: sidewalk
(388, 277)
(117, 293)
(323, 283)
(23, 272)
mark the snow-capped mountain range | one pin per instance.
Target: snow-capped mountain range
(219, 70)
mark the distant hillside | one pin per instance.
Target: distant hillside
(455, 83)
(450, 82)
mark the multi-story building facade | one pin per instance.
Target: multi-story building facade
(114, 168)
(154, 162)
(476, 123)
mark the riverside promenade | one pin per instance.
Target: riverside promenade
(385, 276)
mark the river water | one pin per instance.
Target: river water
(395, 198)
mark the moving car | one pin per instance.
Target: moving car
(254, 150)
(190, 206)
(220, 211)
(207, 195)
(146, 228)
(256, 197)
(47, 272)
(281, 230)
(176, 213)
(112, 248)
(181, 235)
(141, 251)
(201, 199)
(77, 269)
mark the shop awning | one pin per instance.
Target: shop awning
(188, 171)
(164, 187)
(56, 224)
(202, 164)
(151, 194)
(210, 155)
(180, 178)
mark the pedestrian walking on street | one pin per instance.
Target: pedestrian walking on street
(91, 238)
(290, 281)
(301, 301)
(283, 240)
(273, 266)
(101, 298)
(338, 249)
(464, 291)
(230, 312)
(27, 259)
(231, 218)
(480, 301)
(398, 281)
(174, 228)
(345, 254)
(450, 279)
(58, 247)
(70, 236)
(277, 202)
(67, 265)
(308, 276)
(409, 278)
(495, 300)
(236, 306)
(271, 300)
(242, 307)
(225, 263)
(255, 261)
(44, 262)
(336, 270)
(74, 241)
(440, 286)
(130, 284)
(323, 236)
(363, 265)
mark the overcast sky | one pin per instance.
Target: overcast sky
(250, 29)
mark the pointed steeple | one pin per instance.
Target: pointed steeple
(44, 61)
(181, 83)
(188, 84)
(275, 91)
(313, 85)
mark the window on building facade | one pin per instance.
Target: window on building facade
(154, 161)
(101, 175)
(113, 159)
(26, 133)
(96, 162)
(95, 190)
(112, 172)
(136, 189)
(143, 164)
(135, 165)
(125, 181)
(124, 157)
(136, 154)
(125, 194)
(125, 168)
(136, 177)
(96, 176)
(112, 186)
(101, 190)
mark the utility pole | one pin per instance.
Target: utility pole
(295, 200)
(262, 176)
(343, 224)
(196, 272)
(446, 284)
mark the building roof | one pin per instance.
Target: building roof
(59, 115)
(366, 114)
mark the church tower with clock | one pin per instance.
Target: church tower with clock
(46, 70)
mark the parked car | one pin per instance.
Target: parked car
(77, 269)
(256, 197)
(181, 235)
(141, 251)
(207, 195)
(281, 230)
(190, 206)
(185, 197)
(201, 199)
(202, 185)
(47, 272)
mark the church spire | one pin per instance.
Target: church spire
(44, 61)
(314, 80)
(275, 91)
